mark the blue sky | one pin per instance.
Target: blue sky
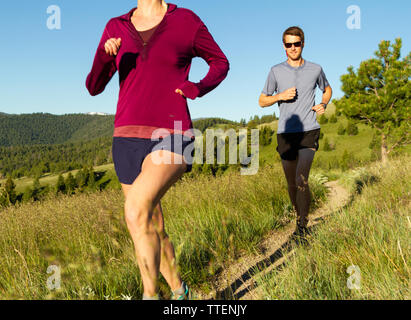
(45, 70)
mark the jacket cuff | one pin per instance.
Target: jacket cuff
(190, 90)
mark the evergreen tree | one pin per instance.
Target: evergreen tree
(352, 129)
(266, 134)
(323, 119)
(71, 183)
(341, 130)
(91, 182)
(81, 179)
(36, 190)
(61, 186)
(333, 119)
(10, 191)
(327, 146)
(379, 94)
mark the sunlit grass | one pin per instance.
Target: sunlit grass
(210, 221)
(373, 233)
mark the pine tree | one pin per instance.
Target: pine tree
(379, 94)
(323, 120)
(352, 129)
(341, 130)
(36, 190)
(327, 146)
(81, 179)
(91, 182)
(266, 134)
(10, 191)
(61, 186)
(71, 183)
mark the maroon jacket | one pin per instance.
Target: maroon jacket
(150, 73)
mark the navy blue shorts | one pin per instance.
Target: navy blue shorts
(129, 153)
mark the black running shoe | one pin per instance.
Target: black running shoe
(300, 234)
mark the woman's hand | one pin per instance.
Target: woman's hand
(112, 46)
(180, 92)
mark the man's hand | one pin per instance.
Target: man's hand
(180, 92)
(288, 94)
(112, 46)
(319, 109)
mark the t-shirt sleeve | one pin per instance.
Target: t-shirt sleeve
(322, 81)
(270, 86)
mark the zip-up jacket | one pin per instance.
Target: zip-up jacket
(149, 73)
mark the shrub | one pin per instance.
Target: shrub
(323, 120)
(327, 145)
(352, 129)
(341, 130)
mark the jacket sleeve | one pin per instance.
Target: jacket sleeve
(206, 48)
(104, 67)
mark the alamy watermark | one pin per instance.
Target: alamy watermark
(54, 281)
(242, 148)
(54, 19)
(354, 20)
(354, 280)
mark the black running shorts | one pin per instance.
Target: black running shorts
(290, 143)
(129, 153)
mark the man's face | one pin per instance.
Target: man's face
(294, 52)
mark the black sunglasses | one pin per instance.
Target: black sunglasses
(296, 44)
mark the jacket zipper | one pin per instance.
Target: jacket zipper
(140, 39)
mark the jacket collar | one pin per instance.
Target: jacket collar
(171, 8)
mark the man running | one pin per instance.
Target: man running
(294, 82)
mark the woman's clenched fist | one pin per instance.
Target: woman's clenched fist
(112, 46)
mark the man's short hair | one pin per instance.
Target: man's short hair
(294, 31)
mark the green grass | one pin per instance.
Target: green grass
(210, 221)
(372, 233)
(51, 179)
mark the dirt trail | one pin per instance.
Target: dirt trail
(236, 282)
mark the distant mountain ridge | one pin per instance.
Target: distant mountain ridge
(98, 114)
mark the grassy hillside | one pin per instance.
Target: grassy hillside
(329, 163)
(210, 220)
(372, 233)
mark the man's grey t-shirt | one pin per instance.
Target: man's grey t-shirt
(296, 115)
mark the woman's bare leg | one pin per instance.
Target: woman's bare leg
(142, 220)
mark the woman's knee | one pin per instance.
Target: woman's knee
(138, 215)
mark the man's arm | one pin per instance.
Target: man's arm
(268, 101)
(327, 94)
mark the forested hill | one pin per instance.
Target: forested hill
(46, 128)
(38, 143)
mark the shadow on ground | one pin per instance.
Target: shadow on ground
(230, 292)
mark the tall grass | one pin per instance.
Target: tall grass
(210, 221)
(373, 233)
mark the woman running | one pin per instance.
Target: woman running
(152, 47)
